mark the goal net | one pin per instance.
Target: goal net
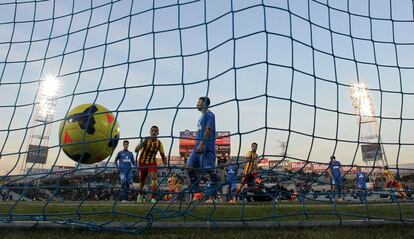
(307, 81)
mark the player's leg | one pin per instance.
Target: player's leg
(123, 179)
(339, 187)
(334, 187)
(232, 192)
(143, 178)
(143, 173)
(192, 164)
(241, 186)
(128, 182)
(171, 193)
(228, 194)
(401, 191)
(154, 183)
(251, 182)
(208, 162)
(168, 195)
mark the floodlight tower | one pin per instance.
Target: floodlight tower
(45, 109)
(283, 149)
(372, 148)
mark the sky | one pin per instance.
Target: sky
(276, 71)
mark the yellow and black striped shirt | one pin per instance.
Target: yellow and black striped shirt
(388, 175)
(250, 162)
(149, 150)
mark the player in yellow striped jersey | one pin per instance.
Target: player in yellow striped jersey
(249, 175)
(147, 163)
(172, 186)
(393, 183)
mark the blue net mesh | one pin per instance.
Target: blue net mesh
(305, 80)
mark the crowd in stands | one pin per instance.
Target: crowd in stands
(5, 195)
(281, 185)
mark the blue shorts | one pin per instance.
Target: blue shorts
(126, 176)
(361, 186)
(337, 181)
(233, 187)
(204, 160)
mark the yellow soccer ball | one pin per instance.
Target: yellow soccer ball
(89, 133)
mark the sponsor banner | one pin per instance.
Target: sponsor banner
(31, 171)
(86, 168)
(222, 149)
(295, 166)
(173, 160)
(188, 140)
(176, 160)
(278, 163)
(263, 162)
(37, 154)
(60, 170)
(319, 168)
(223, 138)
(375, 171)
(371, 152)
(350, 169)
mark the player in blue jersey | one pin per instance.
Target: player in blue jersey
(124, 161)
(203, 156)
(231, 173)
(361, 182)
(335, 173)
(361, 179)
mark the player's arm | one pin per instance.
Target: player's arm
(207, 133)
(138, 149)
(164, 159)
(139, 146)
(329, 170)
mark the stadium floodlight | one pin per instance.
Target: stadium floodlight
(48, 91)
(361, 101)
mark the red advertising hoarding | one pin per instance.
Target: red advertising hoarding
(188, 139)
(319, 168)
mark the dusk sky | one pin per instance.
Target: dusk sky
(274, 70)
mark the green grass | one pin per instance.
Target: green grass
(386, 232)
(101, 212)
(106, 211)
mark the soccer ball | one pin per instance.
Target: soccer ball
(89, 133)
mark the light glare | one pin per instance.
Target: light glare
(49, 89)
(361, 101)
(49, 86)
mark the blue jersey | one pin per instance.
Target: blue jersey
(126, 160)
(335, 169)
(231, 172)
(361, 179)
(207, 120)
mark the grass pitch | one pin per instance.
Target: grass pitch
(163, 212)
(383, 232)
(104, 214)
